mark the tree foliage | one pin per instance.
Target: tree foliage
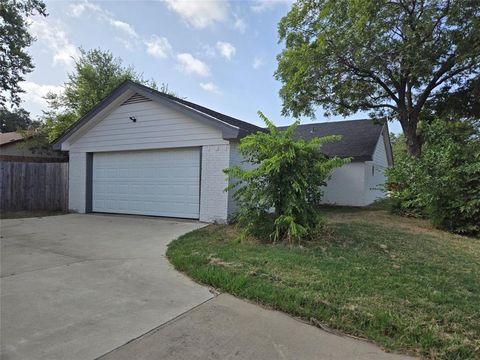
(17, 119)
(443, 184)
(279, 183)
(397, 59)
(36, 141)
(96, 74)
(55, 123)
(15, 62)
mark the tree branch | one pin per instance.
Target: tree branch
(367, 73)
(364, 104)
(438, 80)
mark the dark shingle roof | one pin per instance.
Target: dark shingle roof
(243, 125)
(359, 137)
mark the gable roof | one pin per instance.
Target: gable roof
(243, 125)
(359, 137)
(10, 138)
(231, 127)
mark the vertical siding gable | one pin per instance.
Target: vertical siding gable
(375, 172)
(380, 153)
(156, 126)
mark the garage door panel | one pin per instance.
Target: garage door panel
(159, 182)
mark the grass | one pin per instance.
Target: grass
(393, 280)
(29, 214)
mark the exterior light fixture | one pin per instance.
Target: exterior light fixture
(133, 118)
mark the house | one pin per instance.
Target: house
(367, 143)
(143, 152)
(11, 150)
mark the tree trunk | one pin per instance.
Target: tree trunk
(412, 139)
(414, 144)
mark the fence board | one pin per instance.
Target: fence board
(26, 186)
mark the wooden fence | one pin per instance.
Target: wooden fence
(27, 186)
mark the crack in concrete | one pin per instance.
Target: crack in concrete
(74, 262)
(159, 327)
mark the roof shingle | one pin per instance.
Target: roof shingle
(359, 137)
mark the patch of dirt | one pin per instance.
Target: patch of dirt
(383, 217)
(217, 261)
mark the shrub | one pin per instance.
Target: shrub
(279, 191)
(443, 184)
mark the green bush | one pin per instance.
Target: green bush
(443, 184)
(278, 185)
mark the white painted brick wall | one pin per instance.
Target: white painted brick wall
(77, 181)
(235, 159)
(213, 198)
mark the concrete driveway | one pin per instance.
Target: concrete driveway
(95, 286)
(78, 286)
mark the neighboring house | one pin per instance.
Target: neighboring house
(8, 145)
(10, 150)
(143, 152)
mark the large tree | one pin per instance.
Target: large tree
(398, 59)
(18, 119)
(15, 62)
(96, 74)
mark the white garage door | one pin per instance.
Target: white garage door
(153, 182)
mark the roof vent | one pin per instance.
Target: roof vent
(134, 99)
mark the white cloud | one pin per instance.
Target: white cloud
(158, 47)
(78, 9)
(104, 16)
(226, 49)
(123, 26)
(260, 6)
(258, 62)
(211, 87)
(191, 65)
(127, 44)
(54, 37)
(66, 55)
(35, 93)
(208, 51)
(239, 24)
(200, 14)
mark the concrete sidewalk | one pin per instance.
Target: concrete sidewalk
(229, 328)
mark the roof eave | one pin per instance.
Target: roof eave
(362, 158)
(11, 142)
(57, 143)
(229, 132)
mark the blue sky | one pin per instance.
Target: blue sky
(220, 54)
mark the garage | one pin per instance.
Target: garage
(142, 152)
(152, 182)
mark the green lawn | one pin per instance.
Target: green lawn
(393, 280)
